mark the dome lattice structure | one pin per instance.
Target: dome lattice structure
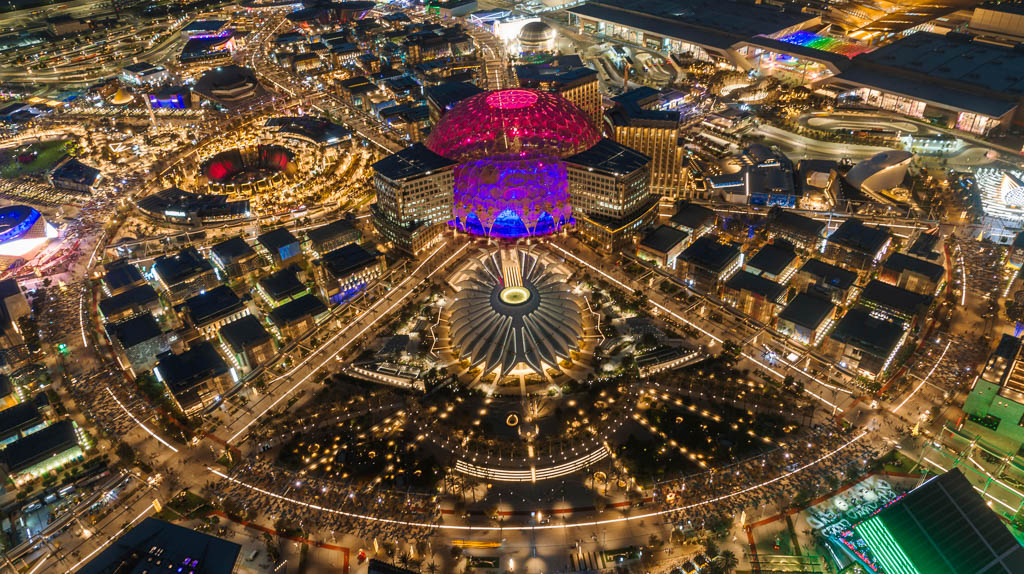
(512, 121)
(510, 181)
(515, 308)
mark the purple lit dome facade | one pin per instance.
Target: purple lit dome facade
(511, 181)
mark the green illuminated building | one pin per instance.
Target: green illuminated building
(941, 527)
(996, 402)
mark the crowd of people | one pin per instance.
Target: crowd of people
(768, 483)
(353, 509)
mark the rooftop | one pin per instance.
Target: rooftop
(664, 238)
(693, 216)
(134, 297)
(40, 445)
(611, 157)
(330, 232)
(345, 260)
(154, 543)
(232, 249)
(212, 305)
(446, 95)
(282, 284)
(637, 104)
(900, 262)
(999, 363)
(73, 171)
(244, 333)
(413, 161)
(121, 276)
(794, 223)
(876, 337)
(139, 329)
(924, 246)
(830, 275)
(173, 199)
(944, 525)
(181, 373)
(856, 236)
(709, 253)
(182, 266)
(934, 61)
(18, 417)
(771, 259)
(747, 281)
(276, 239)
(895, 298)
(807, 310)
(705, 22)
(306, 306)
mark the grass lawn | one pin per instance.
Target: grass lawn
(189, 505)
(897, 462)
(48, 154)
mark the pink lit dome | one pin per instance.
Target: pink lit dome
(512, 121)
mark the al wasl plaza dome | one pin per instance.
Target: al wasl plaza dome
(510, 181)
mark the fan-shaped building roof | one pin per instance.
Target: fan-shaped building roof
(514, 308)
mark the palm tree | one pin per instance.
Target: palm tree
(431, 567)
(728, 560)
(404, 559)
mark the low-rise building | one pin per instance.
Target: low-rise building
(774, 261)
(154, 541)
(708, 263)
(184, 274)
(196, 378)
(43, 451)
(209, 311)
(754, 295)
(19, 421)
(663, 245)
(296, 317)
(141, 299)
(696, 220)
(329, 237)
(896, 303)
(856, 246)
(807, 318)
(121, 276)
(912, 274)
(235, 257)
(281, 287)
(801, 231)
(864, 343)
(281, 246)
(831, 281)
(996, 400)
(247, 343)
(137, 342)
(73, 175)
(345, 272)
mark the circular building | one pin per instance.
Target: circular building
(513, 308)
(510, 181)
(536, 38)
(23, 232)
(256, 166)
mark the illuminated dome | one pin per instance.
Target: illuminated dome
(23, 232)
(512, 121)
(511, 182)
(536, 37)
(513, 308)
